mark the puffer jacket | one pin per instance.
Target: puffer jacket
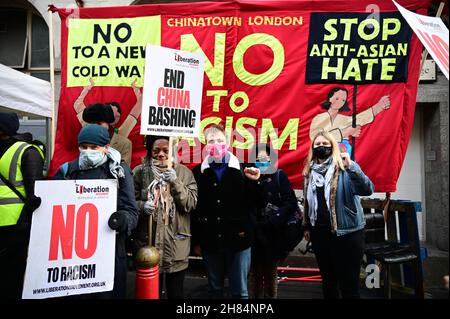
(174, 240)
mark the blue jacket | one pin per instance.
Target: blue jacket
(347, 186)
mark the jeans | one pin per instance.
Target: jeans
(235, 265)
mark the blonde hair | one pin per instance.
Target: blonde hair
(214, 129)
(335, 153)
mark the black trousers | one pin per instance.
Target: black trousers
(174, 283)
(339, 260)
(13, 257)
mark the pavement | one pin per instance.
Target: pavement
(196, 283)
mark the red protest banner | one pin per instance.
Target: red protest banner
(275, 71)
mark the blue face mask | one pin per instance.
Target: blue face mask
(91, 158)
(262, 166)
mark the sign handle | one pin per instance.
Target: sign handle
(169, 166)
(150, 229)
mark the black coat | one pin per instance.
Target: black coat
(126, 202)
(270, 225)
(14, 238)
(222, 219)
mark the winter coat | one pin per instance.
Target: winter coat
(222, 220)
(347, 214)
(125, 202)
(269, 225)
(123, 145)
(174, 240)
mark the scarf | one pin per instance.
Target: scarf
(114, 163)
(320, 176)
(159, 191)
(113, 158)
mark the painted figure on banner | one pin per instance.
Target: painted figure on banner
(118, 133)
(339, 125)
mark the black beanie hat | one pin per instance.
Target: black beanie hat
(98, 112)
(150, 140)
(9, 123)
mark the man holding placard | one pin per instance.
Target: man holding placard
(99, 161)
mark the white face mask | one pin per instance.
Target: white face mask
(91, 158)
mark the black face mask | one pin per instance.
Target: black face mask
(322, 152)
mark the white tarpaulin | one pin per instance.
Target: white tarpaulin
(22, 92)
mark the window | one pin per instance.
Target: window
(24, 43)
(38, 52)
(13, 37)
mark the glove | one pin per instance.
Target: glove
(34, 202)
(118, 221)
(169, 176)
(149, 208)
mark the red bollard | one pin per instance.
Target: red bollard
(147, 283)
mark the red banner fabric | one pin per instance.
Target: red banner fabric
(257, 84)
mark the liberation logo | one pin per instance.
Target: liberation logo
(190, 61)
(97, 190)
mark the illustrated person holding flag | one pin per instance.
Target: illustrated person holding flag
(222, 225)
(338, 125)
(104, 115)
(169, 195)
(21, 164)
(125, 128)
(97, 160)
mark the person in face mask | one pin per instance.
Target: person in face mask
(276, 205)
(169, 195)
(97, 160)
(334, 217)
(222, 228)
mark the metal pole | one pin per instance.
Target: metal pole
(355, 91)
(51, 142)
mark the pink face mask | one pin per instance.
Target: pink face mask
(216, 150)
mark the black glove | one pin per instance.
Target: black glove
(24, 222)
(118, 221)
(34, 202)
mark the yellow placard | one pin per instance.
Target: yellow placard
(110, 51)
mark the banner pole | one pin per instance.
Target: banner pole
(52, 82)
(355, 91)
(425, 51)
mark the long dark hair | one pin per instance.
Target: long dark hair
(326, 105)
